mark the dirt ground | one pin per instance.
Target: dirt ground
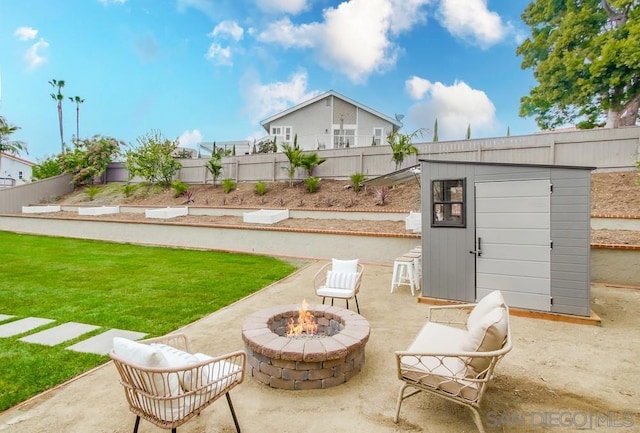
(583, 373)
(612, 193)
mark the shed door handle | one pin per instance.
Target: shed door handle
(478, 251)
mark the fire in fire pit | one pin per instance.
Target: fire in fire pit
(330, 357)
(305, 324)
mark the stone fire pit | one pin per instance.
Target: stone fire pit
(331, 357)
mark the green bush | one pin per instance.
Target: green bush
(356, 181)
(49, 167)
(128, 189)
(228, 185)
(179, 188)
(312, 183)
(261, 188)
(92, 191)
(152, 159)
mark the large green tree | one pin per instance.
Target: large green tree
(585, 55)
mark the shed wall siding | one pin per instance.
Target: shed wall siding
(570, 231)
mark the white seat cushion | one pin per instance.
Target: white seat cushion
(435, 337)
(332, 292)
(145, 356)
(341, 280)
(487, 335)
(485, 305)
(347, 266)
(179, 359)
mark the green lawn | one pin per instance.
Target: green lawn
(147, 289)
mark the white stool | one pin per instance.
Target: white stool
(403, 273)
(417, 267)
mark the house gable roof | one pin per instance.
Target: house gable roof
(266, 122)
(16, 158)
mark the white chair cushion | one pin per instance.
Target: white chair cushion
(146, 356)
(341, 280)
(218, 375)
(347, 266)
(438, 338)
(179, 359)
(486, 336)
(485, 305)
(331, 292)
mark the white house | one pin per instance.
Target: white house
(330, 121)
(14, 170)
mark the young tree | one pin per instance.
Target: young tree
(77, 100)
(310, 161)
(89, 158)
(294, 155)
(468, 134)
(435, 131)
(6, 144)
(584, 55)
(153, 159)
(214, 166)
(58, 97)
(402, 145)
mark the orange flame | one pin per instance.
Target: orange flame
(305, 324)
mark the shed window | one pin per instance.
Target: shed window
(448, 201)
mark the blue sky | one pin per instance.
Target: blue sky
(211, 70)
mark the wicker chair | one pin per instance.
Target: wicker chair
(455, 360)
(174, 386)
(339, 279)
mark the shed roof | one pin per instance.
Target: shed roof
(515, 164)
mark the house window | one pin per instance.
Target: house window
(282, 133)
(19, 175)
(344, 138)
(378, 133)
(448, 201)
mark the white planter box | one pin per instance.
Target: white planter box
(266, 216)
(166, 213)
(41, 209)
(102, 210)
(414, 222)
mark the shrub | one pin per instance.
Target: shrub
(89, 159)
(128, 189)
(49, 167)
(153, 159)
(356, 181)
(179, 188)
(312, 183)
(381, 195)
(228, 185)
(92, 191)
(261, 188)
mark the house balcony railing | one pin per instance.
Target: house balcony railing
(6, 182)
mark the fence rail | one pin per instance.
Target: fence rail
(605, 149)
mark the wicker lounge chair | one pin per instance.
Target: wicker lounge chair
(339, 279)
(456, 352)
(167, 385)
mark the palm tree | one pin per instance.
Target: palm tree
(58, 97)
(6, 145)
(78, 100)
(294, 155)
(402, 145)
(214, 166)
(310, 161)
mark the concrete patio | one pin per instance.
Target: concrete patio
(553, 367)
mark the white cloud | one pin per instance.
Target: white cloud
(34, 56)
(292, 7)
(207, 7)
(264, 100)
(190, 139)
(227, 28)
(472, 21)
(219, 54)
(417, 87)
(355, 37)
(25, 33)
(455, 107)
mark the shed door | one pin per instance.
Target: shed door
(513, 225)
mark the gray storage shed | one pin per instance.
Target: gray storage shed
(521, 228)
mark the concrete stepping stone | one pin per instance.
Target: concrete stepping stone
(21, 326)
(103, 343)
(4, 317)
(59, 334)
